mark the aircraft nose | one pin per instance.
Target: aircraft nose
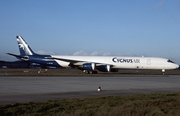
(177, 67)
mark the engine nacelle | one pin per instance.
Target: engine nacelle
(106, 68)
(89, 66)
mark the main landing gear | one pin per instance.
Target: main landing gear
(89, 72)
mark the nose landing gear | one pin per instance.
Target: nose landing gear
(163, 71)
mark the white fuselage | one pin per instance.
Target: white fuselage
(120, 62)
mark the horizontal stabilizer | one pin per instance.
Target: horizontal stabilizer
(18, 56)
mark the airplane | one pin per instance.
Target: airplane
(92, 64)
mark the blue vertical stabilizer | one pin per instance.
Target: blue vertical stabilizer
(24, 48)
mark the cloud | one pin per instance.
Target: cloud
(161, 4)
(84, 53)
(95, 53)
(172, 16)
(81, 53)
(100, 53)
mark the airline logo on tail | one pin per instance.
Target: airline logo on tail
(23, 46)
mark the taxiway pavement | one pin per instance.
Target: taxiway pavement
(26, 89)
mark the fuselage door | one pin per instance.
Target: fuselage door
(148, 61)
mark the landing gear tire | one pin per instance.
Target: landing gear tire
(90, 72)
(94, 72)
(86, 72)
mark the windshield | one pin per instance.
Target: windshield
(170, 61)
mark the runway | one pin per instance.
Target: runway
(26, 89)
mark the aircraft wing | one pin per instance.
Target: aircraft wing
(66, 60)
(72, 61)
(86, 64)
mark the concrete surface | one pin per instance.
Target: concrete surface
(26, 89)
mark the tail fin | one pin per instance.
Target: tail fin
(24, 47)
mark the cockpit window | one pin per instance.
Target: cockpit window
(170, 61)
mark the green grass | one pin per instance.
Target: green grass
(158, 104)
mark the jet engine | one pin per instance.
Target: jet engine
(89, 66)
(106, 68)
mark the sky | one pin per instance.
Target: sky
(92, 27)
